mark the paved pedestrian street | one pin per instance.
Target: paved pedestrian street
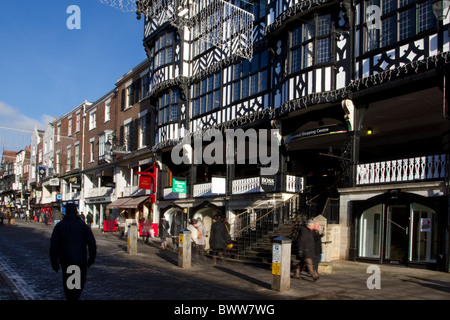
(152, 274)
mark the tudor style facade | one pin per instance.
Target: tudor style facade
(323, 73)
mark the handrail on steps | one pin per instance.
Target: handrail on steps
(236, 233)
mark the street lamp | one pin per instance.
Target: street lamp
(441, 9)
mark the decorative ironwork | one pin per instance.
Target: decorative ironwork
(218, 22)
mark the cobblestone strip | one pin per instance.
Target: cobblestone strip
(18, 286)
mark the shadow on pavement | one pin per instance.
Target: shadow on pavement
(432, 284)
(244, 277)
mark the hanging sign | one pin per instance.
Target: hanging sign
(145, 182)
(145, 178)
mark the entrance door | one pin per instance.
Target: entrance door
(397, 233)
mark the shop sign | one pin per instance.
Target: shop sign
(325, 130)
(133, 165)
(268, 183)
(145, 161)
(218, 185)
(145, 182)
(425, 225)
(76, 202)
(98, 200)
(54, 182)
(178, 186)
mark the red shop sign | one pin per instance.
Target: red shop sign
(145, 182)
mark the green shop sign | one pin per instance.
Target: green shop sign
(178, 186)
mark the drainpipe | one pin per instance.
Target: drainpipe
(83, 115)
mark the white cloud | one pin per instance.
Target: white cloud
(12, 118)
(16, 128)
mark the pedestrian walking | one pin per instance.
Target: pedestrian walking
(69, 246)
(163, 232)
(201, 238)
(175, 228)
(219, 237)
(46, 217)
(306, 251)
(317, 246)
(192, 227)
(89, 220)
(9, 216)
(121, 224)
(82, 216)
(56, 215)
(2, 216)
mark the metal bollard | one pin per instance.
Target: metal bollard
(132, 239)
(184, 248)
(281, 264)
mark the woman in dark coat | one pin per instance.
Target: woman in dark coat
(219, 237)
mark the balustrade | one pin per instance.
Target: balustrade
(294, 183)
(239, 186)
(100, 192)
(246, 185)
(403, 170)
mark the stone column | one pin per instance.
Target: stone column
(184, 248)
(281, 264)
(132, 238)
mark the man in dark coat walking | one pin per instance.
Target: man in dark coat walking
(70, 242)
(306, 251)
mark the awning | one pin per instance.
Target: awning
(133, 203)
(117, 204)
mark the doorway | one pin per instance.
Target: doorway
(400, 231)
(397, 233)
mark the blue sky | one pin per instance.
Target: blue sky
(47, 69)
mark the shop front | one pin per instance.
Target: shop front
(98, 207)
(401, 228)
(138, 209)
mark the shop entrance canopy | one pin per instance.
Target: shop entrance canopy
(127, 202)
(133, 203)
